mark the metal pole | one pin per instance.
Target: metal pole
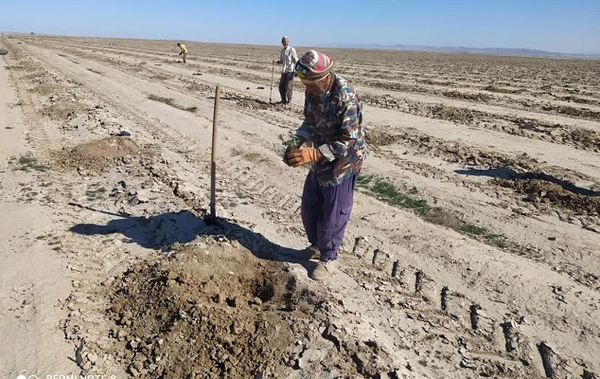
(213, 158)
(272, 75)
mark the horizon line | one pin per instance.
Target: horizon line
(396, 46)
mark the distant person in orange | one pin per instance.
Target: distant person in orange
(288, 59)
(183, 51)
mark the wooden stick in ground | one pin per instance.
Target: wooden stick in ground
(272, 75)
(213, 158)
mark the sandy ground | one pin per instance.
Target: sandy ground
(472, 249)
(32, 277)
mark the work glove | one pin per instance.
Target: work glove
(300, 157)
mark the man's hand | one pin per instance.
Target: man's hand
(297, 158)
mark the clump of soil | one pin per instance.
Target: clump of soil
(195, 86)
(587, 139)
(378, 137)
(253, 104)
(479, 97)
(494, 88)
(62, 110)
(46, 89)
(563, 195)
(445, 112)
(456, 152)
(97, 156)
(573, 111)
(209, 312)
(28, 65)
(161, 76)
(247, 102)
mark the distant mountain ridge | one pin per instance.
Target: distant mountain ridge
(463, 49)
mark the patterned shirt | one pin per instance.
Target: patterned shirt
(333, 123)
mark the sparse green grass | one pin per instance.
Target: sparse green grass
(93, 194)
(289, 142)
(496, 240)
(486, 235)
(28, 163)
(473, 230)
(171, 102)
(389, 194)
(185, 151)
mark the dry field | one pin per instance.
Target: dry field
(473, 249)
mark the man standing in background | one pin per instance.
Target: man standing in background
(288, 59)
(183, 51)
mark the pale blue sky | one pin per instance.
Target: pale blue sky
(568, 26)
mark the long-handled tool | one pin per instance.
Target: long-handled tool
(213, 158)
(272, 75)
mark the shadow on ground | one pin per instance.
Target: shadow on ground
(163, 230)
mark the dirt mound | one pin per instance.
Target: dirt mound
(62, 110)
(97, 156)
(573, 111)
(457, 152)
(254, 104)
(213, 310)
(479, 97)
(378, 137)
(247, 102)
(540, 191)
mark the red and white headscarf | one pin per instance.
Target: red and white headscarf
(313, 65)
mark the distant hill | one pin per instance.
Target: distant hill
(470, 50)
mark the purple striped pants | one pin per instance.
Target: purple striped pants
(325, 213)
